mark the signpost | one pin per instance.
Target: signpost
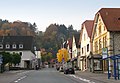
(1, 61)
(104, 53)
(104, 56)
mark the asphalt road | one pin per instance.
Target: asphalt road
(46, 75)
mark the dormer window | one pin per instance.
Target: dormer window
(7, 46)
(14, 46)
(1, 46)
(20, 46)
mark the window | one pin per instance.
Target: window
(20, 46)
(20, 53)
(104, 28)
(97, 65)
(96, 46)
(7, 46)
(100, 45)
(1, 46)
(82, 50)
(84, 37)
(14, 46)
(105, 41)
(99, 29)
(87, 47)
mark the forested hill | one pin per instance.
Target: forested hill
(16, 28)
(51, 40)
(54, 36)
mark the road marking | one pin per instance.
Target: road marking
(85, 80)
(20, 79)
(15, 81)
(23, 72)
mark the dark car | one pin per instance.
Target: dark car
(57, 67)
(61, 69)
(69, 71)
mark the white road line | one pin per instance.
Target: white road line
(15, 81)
(23, 72)
(20, 79)
(85, 80)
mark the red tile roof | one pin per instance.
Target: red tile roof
(111, 18)
(89, 25)
(70, 42)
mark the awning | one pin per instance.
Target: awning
(114, 57)
(74, 59)
(95, 56)
(82, 56)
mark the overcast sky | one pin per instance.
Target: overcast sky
(45, 12)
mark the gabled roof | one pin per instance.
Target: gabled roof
(89, 25)
(111, 18)
(27, 42)
(77, 37)
(70, 43)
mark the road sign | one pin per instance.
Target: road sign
(104, 53)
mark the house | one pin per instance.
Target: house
(106, 35)
(85, 36)
(75, 46)
(24, 45)
(69, 48)
(38, 58)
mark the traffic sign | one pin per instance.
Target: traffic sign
(104, 53)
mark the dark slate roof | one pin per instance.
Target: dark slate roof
(111, 18)
(26, 41)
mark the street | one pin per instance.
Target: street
(50, 75)
(47, 75)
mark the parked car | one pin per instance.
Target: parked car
(61, 69)
(57, 67)
(69, 71)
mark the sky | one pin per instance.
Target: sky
(46, 12)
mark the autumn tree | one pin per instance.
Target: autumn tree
(62, 55)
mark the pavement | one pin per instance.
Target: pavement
(100, 77)
(11, 72)
(10, 76)
(96, 77)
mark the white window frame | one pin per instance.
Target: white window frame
(1, 46)
(21, 46)
(7, 46)
(14, 46)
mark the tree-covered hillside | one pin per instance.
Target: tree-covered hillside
(51, 40)
(54, 36)
(17, 28)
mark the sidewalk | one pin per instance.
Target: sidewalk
(100, 77)
(11, 72)
(10, 76)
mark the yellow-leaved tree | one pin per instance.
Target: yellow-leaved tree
(62, 55)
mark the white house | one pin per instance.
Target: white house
(75, 49)
(85, 36)
(24, 45)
